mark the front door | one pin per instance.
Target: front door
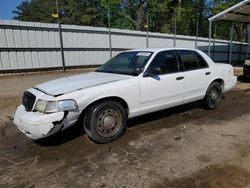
(162, 85)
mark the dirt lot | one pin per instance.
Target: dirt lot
(183, 147)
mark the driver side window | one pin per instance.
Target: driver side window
(165, 62)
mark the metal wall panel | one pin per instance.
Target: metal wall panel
(28, 59)
(5, 60)
(33, 60)
(32, 45)
(18, 38)
(1, 63)
(9, 38)
(185, 43)
(3, 42)
(21, 60)
(25, 38)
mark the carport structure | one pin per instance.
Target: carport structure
(238, 13)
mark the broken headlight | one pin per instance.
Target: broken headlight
(55, 106)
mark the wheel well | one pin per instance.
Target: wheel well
(118, 99)
(221, 82)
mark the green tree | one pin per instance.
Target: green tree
(80, 12)
(132, 14)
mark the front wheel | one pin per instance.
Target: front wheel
(105, 121)
(213, 96)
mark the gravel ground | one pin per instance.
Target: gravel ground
(182, 147)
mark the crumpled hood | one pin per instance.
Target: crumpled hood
(72, 83)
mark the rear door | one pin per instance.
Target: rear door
(196, 73)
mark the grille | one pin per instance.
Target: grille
(28, 100)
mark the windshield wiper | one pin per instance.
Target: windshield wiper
(114, 72)
(106, 71)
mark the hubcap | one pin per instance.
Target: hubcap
(214, 96)
(109, 122)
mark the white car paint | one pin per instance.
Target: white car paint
(76, 82)
(141, 94)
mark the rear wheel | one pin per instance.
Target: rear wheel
(213, 96)
(246, 78)
(105, 121)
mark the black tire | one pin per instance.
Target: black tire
(246, 79)
(105, 121)
(213, 96)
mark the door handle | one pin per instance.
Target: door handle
(180, 78)
(208, 73)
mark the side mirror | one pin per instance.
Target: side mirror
(151, 72)
(138, 71)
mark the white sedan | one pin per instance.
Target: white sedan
(131, 84)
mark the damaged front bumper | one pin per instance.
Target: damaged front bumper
(36, 125)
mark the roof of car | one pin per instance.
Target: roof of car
(160, 49)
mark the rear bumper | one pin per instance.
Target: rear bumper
(230, 83)
(37, 125)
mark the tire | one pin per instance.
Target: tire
(213, 96)
(246, 79)
(105, 122)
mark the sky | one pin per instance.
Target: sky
(6, 8)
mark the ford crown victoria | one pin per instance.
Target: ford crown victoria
(131, 84)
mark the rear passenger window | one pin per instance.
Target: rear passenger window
(201, 62)
(188, 59)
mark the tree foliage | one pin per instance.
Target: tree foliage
(132, 14)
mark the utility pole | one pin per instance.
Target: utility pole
(175, 31)
(60, 35)
(197, 33)
(110, 42)
(248, 41)
(209, 42)
(175, 21)
(214, 36)
(231, 43)
(147, 31)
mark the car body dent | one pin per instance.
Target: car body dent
(35, 124)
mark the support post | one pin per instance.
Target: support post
(231, 43)
(147, 44)
(197, 33)
(209, 42)
(110, 42)
(240, 50)
(60, 35)
(174, 32)
(215, 29)
(248, 42)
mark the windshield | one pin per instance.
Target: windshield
(126, 63)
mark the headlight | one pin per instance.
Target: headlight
(247, 62)
(55, 106)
